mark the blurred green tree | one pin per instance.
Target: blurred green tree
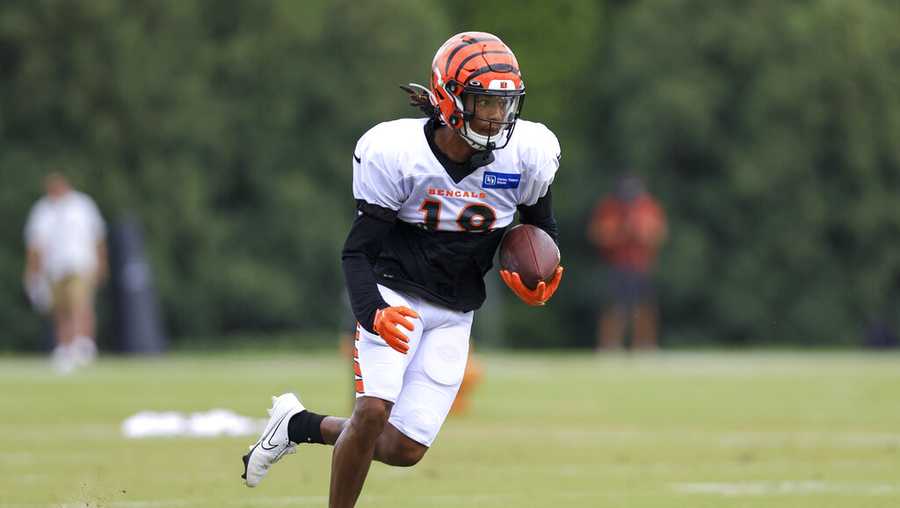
(226, 126)
(769, 129)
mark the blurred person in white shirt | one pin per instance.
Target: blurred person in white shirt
(65, 238)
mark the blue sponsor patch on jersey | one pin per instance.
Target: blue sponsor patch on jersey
(494, 180)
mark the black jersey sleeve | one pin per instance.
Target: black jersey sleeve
(361, 249)
(540, 214)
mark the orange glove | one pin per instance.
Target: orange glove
(537, 296)
(386, 322)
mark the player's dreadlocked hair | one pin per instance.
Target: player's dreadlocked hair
(419, 98)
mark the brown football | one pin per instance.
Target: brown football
(530, 252)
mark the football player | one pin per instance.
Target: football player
(434, 197)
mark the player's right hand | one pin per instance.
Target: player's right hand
(386, 325)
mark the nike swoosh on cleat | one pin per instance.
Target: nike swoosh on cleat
(267, 439)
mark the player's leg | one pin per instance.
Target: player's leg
(643, 311)
(614, 319)
(291, 424)
(391, 447)
(379, 378)
(354, 450)
(430, 386)
(81, 302)
(379, 372)
(612, 327)
(63, 326)
(645, 327)
(84, 349)
(62, 312)
(332, 426)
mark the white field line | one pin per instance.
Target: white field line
(178, 503)
(709, 488)
(449, 500)
(786, 488)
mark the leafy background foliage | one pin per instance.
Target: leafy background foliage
(767, 129)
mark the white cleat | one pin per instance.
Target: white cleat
(63, 361)
(83, 351)
(274, 442)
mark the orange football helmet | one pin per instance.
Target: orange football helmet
(477, 88)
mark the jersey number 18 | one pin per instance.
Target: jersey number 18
(473, 218)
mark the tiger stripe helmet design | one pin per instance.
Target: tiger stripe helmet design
(476, 80)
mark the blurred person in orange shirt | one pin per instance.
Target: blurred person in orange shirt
(65, 238)
(628, 227)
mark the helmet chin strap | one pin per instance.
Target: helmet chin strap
(477, 146)
(480, 141)
(481, 157)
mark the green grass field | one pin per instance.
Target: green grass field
(667, 430)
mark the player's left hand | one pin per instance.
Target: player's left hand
(537, 296)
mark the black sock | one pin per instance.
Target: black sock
(305, 427)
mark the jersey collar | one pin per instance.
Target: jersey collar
(456, 170)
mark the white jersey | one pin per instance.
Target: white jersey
(450, 218)
(66, 231)
(395, 168)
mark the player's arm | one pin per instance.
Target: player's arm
(33, 256)
(540, 214)
(541, 157)
(379, 192)
(361, 249)
(32, 263)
